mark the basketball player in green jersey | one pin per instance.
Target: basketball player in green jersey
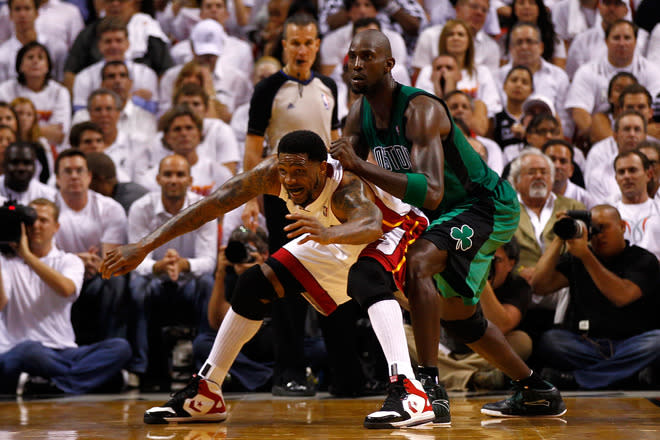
(424, 160)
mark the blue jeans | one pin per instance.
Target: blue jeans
(599, 362)
(73, 370)
(156, 303)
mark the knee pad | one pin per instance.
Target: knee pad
(369, 283)
(252, 294)
(467, 330)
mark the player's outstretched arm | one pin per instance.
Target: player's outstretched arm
(260, 180)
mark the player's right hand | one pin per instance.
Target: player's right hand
(343, 151)
(122, 260)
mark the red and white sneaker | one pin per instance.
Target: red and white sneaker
(406, 404)
(200, 401)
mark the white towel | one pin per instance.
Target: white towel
(140, 28)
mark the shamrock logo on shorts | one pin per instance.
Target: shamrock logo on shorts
(462, 237)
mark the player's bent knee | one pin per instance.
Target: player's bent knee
(252, 294)
(369, 283)
(467, 330)
(424, 260)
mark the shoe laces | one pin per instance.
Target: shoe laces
(396, 392)
(189, 390)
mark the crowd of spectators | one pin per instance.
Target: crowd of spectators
(117, 114)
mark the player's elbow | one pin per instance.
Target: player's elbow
(434, 195)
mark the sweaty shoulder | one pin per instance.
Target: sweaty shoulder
(427, 115)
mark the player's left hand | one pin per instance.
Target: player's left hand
(122, 260)
(343, 151)
(307, 225)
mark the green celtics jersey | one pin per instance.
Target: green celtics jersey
(466, 175)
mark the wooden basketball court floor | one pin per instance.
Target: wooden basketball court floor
(596, 415)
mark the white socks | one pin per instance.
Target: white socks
(234, 332)
(387, 322)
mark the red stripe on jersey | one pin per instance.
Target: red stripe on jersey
(315, 293)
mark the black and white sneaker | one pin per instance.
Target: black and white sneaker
(528, 402)
(200, 401)
(438, 397)
(406, 404)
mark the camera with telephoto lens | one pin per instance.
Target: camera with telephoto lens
(575, 224)
(11, 216)
(238, 252)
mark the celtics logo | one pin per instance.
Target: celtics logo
(462, 237)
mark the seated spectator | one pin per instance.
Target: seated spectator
(603, 122)
(526, 48)
(476, 80)
(633, 173)
(136, 116)
(586, 95)
(252, 368)
(504, 304)
(90, 226)
(218, 140)
(51, 99)
(561, 153)
(590, 44)
(610, 330)
(88, 137)
(540, 129)
(37, 289)
(636, 97)
(537, 13)
(113, 44)
(104, 181)
(177, 19)
(29, 122)
(532, 175)
(128, 153)
(182, 134)
(599, 176)
(486, 50)
(23, 14)
(507, 126)
(651, 149)
(572, 17)
(17, 182)
(462, 106)
(230, 86)
(235, 51)
(174, 283)
(147, 42)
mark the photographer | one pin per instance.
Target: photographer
(37, 288)
(610, 331)
(173, 284)
(252, 367)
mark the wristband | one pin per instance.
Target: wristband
(391, 8)
(415, 190)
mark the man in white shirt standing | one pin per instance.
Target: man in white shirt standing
(37, 288)
(175, 281)
(90, 226)
(18, 183)
(633, 172)
(599, 176)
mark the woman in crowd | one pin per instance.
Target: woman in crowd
(7, 136)
(30, 131)
(602, 122)
(52, 100)
(535, 11)
(477, 81)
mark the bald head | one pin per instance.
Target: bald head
(608, 211)
(374, 39)
(175, 160)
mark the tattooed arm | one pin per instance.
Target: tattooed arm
(262, 179)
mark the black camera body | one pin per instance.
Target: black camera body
(238, 252)
(12, 215)
(575, 224)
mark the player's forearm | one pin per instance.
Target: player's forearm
(391, 182)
